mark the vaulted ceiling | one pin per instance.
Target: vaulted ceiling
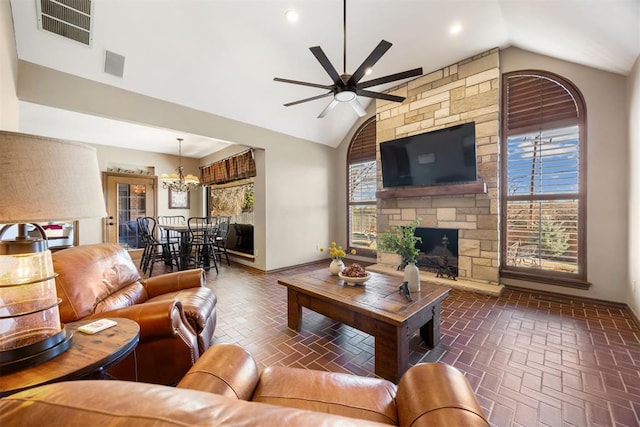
(220, 56)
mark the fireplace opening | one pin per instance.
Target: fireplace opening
(438, 251)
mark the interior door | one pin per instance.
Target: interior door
(128, 197)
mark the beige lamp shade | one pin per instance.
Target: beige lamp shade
(44, 179)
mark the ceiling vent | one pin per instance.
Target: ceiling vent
(66, 18)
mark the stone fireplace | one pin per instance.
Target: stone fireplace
(467, 91)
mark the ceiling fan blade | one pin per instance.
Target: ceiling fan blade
(373, 57)
(391, 78)
(358, 107)
(297, 82)
(379, 95)
(326, 64)
(327, 108)
(313, 98)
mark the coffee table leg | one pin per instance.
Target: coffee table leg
(391, 352)
(294, 310)
(430, 331)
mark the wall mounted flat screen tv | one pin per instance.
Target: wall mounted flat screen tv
(444, 156)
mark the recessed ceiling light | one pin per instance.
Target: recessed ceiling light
(368, 71)
(291, 15)
(455, 28)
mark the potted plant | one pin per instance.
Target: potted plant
(402, 240)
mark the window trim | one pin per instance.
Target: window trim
(573, 280)
(360, 251)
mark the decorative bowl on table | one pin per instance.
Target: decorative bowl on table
(355, 281)
(354, 275)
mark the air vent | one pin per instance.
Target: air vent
(113, 64)
(66, 18)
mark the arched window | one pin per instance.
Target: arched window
(361, 191)
(543, 192)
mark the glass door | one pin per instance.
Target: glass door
(128, 197)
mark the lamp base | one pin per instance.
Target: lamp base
(36, 353)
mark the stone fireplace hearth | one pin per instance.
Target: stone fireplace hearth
(460, 93)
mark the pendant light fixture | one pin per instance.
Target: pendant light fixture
(177, 181)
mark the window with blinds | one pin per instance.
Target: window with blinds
(543, 235)
(362, 173)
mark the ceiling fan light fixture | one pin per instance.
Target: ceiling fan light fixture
(345, 96)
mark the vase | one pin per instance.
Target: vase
(412, 277)
(336, 266)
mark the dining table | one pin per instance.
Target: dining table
(183, 229)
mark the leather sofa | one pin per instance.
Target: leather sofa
(175, 311)
(225, 387)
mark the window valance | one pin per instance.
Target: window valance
(233, 168)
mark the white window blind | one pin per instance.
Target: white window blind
(546, 162)
(362, 182)
(362, 204)
(543, 176)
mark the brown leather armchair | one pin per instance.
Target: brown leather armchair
(176, 313)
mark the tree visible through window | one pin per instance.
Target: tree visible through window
(361, 192)
(543, 199)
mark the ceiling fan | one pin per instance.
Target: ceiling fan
(346, 87)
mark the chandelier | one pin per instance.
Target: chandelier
(178, 181)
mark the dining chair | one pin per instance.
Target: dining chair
(171, 236)
(154, 249)
(171, 220)
(201, 244)
(224, 223)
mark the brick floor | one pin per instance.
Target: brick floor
(533, 359)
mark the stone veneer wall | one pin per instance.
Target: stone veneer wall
(459, 93)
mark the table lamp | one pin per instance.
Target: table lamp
(41, 179)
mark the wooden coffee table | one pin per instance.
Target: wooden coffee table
(88, 356)
(376, 308)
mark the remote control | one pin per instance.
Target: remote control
(97, 326)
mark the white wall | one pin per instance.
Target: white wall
(633, 292)
(605, 95)
(8, 70)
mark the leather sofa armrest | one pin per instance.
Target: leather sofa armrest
(225, 369)
(157, 319)
(437, 394)
(172, 282)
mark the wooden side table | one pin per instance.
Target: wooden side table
(88, 355)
